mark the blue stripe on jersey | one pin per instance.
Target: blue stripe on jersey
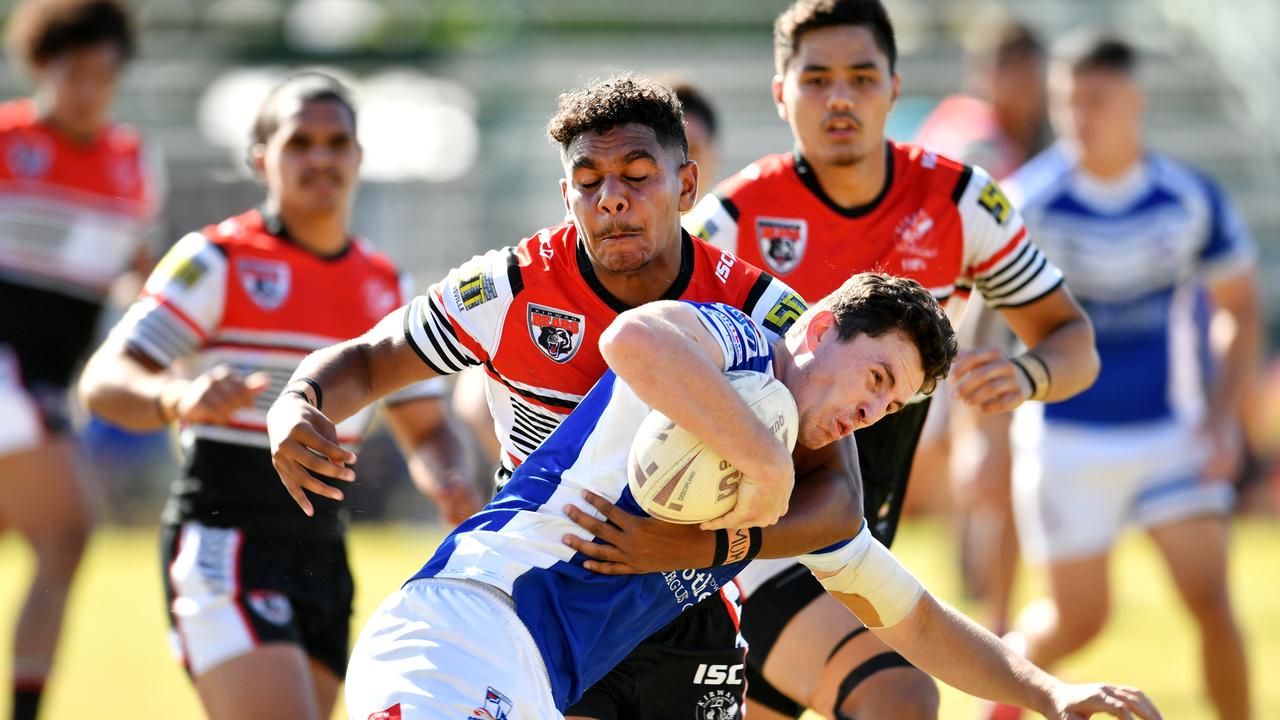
(585, 623)
(540, 475)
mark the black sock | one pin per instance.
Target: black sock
(26, 700)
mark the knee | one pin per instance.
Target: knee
(58, 550)
(1210, 605)
(1078, 623)
(903, 693)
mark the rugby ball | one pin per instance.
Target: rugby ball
(674, 477)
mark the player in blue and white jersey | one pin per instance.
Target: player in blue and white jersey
(1150, 247)
(504, 621)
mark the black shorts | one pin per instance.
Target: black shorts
(692, 668)
(231, 589)
(885, 453)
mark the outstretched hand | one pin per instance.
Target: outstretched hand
(1079, 702)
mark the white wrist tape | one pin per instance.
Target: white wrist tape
(868, 578)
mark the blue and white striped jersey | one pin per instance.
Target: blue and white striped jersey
(1137, 253)
(585, 623)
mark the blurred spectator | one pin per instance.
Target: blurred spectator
(77, 196)
(259, 594)
(1151, 247)
(997, 127)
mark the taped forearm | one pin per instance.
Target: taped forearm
(867, 579)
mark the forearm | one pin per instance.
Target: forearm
(671, 373)
(826, 507)
(1071, 358)
(954, 649)
(119, 389)
(1239, 358)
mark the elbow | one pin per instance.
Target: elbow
(629, 336)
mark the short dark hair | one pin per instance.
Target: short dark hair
(873, 303)
(619, 100)
(41, 30)
(1093, 50)
(695, 104)
(805, 16)
(307, 86)
(1004, 39)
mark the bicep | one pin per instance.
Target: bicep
(1236, 293)
(1038, 319)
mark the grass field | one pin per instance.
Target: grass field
(115, 661)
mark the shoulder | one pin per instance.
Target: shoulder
(17, 114)
(1041, 176)
(374, 258)
(758, 177)
(1183, 179)
(235, 232)
(122, 139)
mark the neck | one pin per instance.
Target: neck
(75, 134)
(1111, 165)
(852, 185)
(650, 282)
(781, 359)
(323, 234)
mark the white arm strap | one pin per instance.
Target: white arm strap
(868, 578)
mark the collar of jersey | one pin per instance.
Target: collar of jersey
(810, 179)
(274, 224)
(674, 291)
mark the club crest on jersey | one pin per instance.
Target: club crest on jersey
(717, 705)
(496, 706)
(266, 281)
(782, 242)
(909, 236)
(30, 158)
(271, 606)
(558, 334)
(379, 298)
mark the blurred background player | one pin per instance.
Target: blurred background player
(701, 131)
(848, 199)
(1164, 266)
(963, 465)
(260, 595)
(77, 199)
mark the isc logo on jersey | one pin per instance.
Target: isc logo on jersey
(718, 674)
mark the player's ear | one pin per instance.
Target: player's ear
(687, 174)
(777, 97)
(897, 88)
(820, 323)
(258, 159)
(564, 195)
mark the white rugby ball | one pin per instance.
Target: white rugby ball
(674, 477)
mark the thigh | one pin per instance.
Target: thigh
(322, 594)
(43, 494)
(272, 680)
(1195, 550)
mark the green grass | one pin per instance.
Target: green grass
(115, 661)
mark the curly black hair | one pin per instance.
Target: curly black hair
(619, 100)
(873, 303)
(41, 30)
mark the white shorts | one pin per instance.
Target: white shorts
(445, 648)
(1075, 487)
(23, 427)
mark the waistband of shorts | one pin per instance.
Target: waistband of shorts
(500, 600)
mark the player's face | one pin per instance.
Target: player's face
(625, 193)
(1017, 90)
(79, 85)
(311, 162)
(842, 386)
(1099, 109)
(702, 150)
(836, 93)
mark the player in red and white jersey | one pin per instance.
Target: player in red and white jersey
(532, 315)
(848, 199)
(77, 197)
(260, 596)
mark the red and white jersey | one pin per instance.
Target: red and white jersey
(532, 316)
(72, 216)
(942, 223)
(241, 293)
